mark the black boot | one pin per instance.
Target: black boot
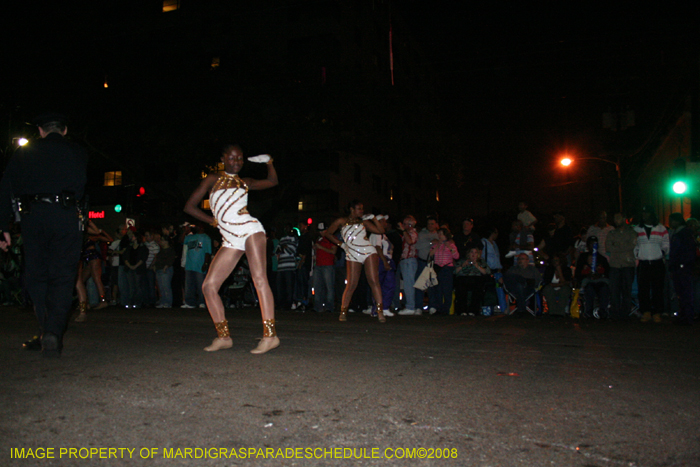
(51, 345)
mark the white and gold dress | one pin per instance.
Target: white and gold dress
(229, 205)
(358, 248)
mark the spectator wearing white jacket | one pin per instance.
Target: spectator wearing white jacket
(652, 246)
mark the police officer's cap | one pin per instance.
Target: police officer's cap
(50, 117)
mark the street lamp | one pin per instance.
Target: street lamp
(567, 161)
(14, 143)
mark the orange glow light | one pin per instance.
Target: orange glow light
(566, 162)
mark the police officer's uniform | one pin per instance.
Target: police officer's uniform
(48, 178)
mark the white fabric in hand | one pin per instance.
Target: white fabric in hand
(261, 159)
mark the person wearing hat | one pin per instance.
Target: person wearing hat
(324, 271)
(652, 246)
(47, 177)
(681, 261)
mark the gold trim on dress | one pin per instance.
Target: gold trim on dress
(221, 227)
(358, 221)
(227, 180)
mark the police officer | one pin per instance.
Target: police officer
(47, 178)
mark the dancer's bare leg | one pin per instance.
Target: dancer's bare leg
(95, 267)
(354, 270)
(220, 268)
(352, 278)
(256, 250)
(83, 274)
(372, 273)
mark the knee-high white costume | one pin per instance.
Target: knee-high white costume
(229, 204)
(358, 246)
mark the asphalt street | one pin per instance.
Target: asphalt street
(134, 387)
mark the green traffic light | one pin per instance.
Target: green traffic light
(680, 187)
(118, 208)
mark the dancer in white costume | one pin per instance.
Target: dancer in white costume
(357, 246)
(242, 233)
(358, 251)
(229, 202)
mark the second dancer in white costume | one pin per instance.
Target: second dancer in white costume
(242, 233)
(358, 252)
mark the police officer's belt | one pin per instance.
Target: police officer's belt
(65, 198)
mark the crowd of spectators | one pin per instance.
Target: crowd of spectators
(633, 269)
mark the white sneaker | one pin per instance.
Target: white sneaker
(185, 305)
(367, 311)
(388, 313)
(418, 312)
(432, 310)
(351, 310)
(407, 312)
(202, 305)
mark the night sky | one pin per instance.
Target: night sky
(514, 84)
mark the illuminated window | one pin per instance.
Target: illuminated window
(113, 178)
(318, 200)
(171, 5)
(205, 204)
(215, 62)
